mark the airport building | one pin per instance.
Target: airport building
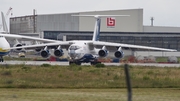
(128, 30)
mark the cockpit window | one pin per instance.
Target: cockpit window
(74, 47)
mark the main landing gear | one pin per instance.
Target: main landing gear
(74, 62)
(96, 62)
(1, 59)
(79, 63)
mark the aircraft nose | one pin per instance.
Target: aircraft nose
(72, 53)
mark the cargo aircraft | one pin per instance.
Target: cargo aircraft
(4, 44)
(79, 51)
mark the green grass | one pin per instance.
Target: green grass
(145, 94)
(87, 83)
(47, 76)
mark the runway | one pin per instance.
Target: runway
(66, 63)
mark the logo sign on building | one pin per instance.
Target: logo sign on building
(111, 22)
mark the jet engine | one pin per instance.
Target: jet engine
(58, 52)
(38, 49)
(45, 53)
(18, 45)
(103, 52)
(119, 53)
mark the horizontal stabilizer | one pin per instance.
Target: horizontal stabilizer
(99, 16)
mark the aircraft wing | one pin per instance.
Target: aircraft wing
(101, 43)
(44, 45)
(21, 37)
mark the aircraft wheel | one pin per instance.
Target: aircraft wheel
(94, 63)
(78, 63)
(71, 62)
(1, 60)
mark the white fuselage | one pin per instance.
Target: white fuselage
(4, 46)
(79, 49)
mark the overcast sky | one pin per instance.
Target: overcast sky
(165, 12)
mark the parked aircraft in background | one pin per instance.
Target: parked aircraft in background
(81, 51)
(4, 48)
(4, 44)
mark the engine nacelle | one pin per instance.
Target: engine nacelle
(38, 49)
(103, 53)
(58, 52)
(119, 54)
(18, 45)
(45, 53)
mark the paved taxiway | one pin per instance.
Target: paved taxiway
(66, 63)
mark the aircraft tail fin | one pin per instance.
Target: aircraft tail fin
(4, 25)
(98, 23)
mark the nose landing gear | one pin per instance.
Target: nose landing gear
(1, 59)
(95, 62)
(74, 62)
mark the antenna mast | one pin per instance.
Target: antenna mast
(34, 21)
(152, 20)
